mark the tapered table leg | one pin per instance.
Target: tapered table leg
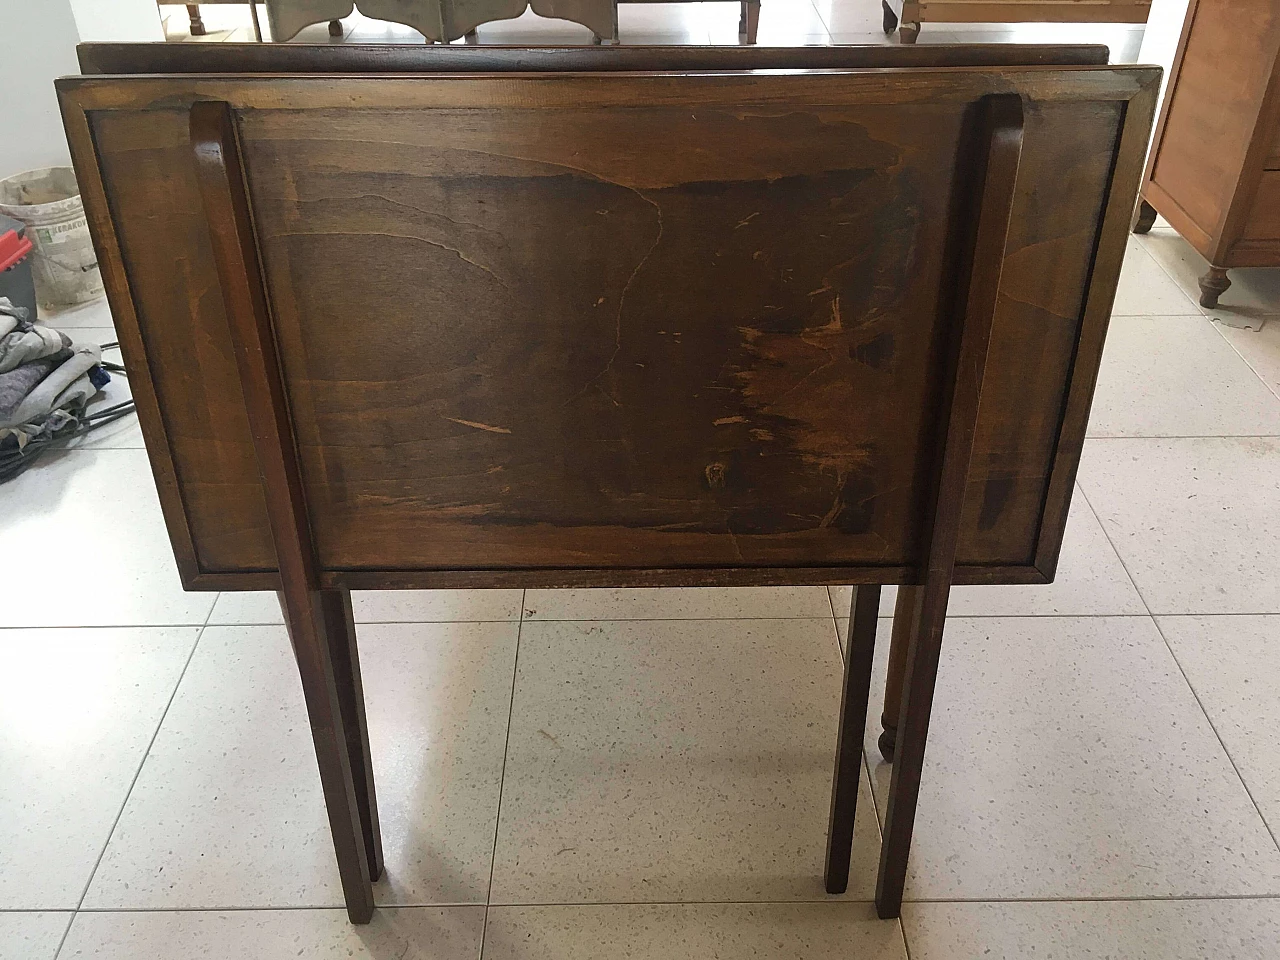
(853, 722)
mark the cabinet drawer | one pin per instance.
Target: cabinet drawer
(1264, 218)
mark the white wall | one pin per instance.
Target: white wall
(120, 20)
(39, 44)
(1164, 27)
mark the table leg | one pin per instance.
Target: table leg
(853, 722)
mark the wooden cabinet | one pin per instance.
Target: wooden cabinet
(1214, 169)
(913, 13)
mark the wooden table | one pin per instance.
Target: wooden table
(912, 14)
(689, 325)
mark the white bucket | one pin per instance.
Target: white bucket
(63, 262)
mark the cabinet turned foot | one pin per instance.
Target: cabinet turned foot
(197, 22)
(471, 38)
(335, 28)
(1213, 285)
(1145, 218)
(888, 740)
(908, 32)
(890, 18)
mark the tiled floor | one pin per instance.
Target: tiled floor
(574, 774)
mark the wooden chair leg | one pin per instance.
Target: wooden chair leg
(890, 18)
(340, 628)
(749, 21)
(1213, 285)
(853, 723)
(909, 32)
(1145, 217)
(197, 22)
(898, 647)
(257, 24)
(319, 624)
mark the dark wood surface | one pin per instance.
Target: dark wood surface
(700, 398)
(859, 656)
(614, 328)
(365, 58)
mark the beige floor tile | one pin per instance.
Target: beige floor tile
(78, 708)
(82, 539)
(841, 16)
(31, 936)
(1090, 581)
(1177, 377)
(1260, 349)
(1233, 664)
(95, 313)
(382, 606)
(426, 933)
(1068, 759)
(1104, 930)
(783, 23)
(1146, 290)
(1195, 521)
(228, 811)
(813, 931)
(678, 603)
(1254, 293)
(674, 760)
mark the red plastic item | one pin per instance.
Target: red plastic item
(12, 249)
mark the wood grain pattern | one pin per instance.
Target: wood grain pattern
(717, 339)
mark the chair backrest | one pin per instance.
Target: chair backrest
(619, 327)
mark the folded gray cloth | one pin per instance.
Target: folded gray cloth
(25, 341)
(45, 382)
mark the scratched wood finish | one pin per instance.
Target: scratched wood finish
(727, 374)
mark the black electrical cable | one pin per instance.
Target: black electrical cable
(15, 460)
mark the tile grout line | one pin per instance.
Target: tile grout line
(441, 623)
(1188, 436)
(136, 774)
(1214, 728)
(1257, 373)
(1185, 679)
(827, 901)
(1194, 299)
(502, 778)
(1116, 550)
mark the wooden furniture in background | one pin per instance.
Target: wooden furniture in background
(1214, 169)
(442, 21)
(848, 333)
(198, 28)
(914, 13)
